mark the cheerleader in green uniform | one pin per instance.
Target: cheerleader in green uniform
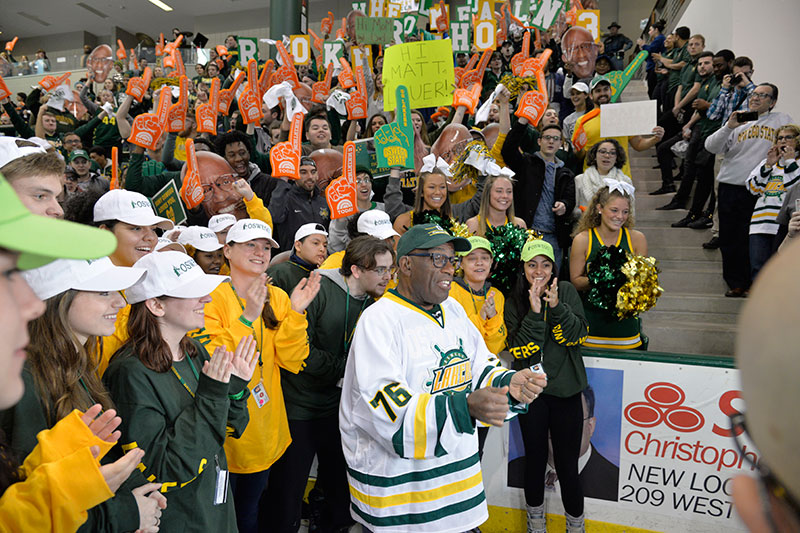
(606, 222)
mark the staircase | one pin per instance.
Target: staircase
(692, 316)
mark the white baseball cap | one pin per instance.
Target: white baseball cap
(173, 233)
(172, 274)
(312, 228)
(201, 238)
(12, 148)
(248, 229)
(164, 244)
(376, 223)
(97, 275)
(218, 223)
(129, 207)
(580, 87)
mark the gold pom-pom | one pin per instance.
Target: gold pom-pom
(460, 169)
(514, 84)
(532, 235)
(641, 290)
(459, 229)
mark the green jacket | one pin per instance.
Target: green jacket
(332, 316)
(136, 180)
(24, 421)
(552, 337)
(182, 433)
(288, 274)
(104, 131)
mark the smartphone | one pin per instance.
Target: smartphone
(746, 116)
(736, 80)
(797, 205)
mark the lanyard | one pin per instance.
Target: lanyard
(91, 400)
(348, 337)
(259, 343)
(194, 371)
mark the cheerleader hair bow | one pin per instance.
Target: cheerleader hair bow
(430, 163)
(621, 186)
(493, 169)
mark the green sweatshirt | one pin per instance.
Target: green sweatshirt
(104, 131)
(313, 392)
(137, 180)
(287, 275)
(24, 421)
(181, 434)
(552, 337)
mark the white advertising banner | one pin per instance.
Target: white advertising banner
(657, 452)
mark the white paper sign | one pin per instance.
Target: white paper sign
(630, 118)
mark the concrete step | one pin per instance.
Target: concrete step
(679, 252)
(655, 218)
(677, 236)
(646, 201)
(670, 317)
(696, 303)
(692, 281)
(689, 337)
(709, 265)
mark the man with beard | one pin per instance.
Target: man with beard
(237, 149)
(312, 395)
(589, 126)
(298, 202)
(699, 162)
(414, 386)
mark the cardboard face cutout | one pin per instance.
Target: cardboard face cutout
(100, 62)
(328, 161)
(216, 178)
(580, 51)
(451, 142)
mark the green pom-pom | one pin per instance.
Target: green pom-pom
(606, 278)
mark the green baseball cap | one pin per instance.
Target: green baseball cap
(475, 243)
(41, 240)
(537, 247)
(75, 154)
(426, 236)
(598, 79)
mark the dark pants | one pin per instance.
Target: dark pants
(735, 208)
(761, 249)
(564, 418)
(283, 501)
(666, 157)
(672, 125)
(698, 164)
(483, 432)
(651, 82)
(247, 490)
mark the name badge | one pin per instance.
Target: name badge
(260, 394)
(221, 488)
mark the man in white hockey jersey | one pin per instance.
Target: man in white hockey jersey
(418, 377)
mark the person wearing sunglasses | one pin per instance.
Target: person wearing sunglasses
(769, 367)
(312, 395)
(413, 389)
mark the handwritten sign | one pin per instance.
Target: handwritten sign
(543, 14)
(167, 203)
(630, 118)
(377, 30)
(425, 68)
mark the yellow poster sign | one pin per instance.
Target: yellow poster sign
(425, 68)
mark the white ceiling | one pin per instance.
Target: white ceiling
(57, 16)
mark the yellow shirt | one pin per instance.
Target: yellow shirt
(256, 209)
(63, 481)
(114, 342)
(592, 129)
(333, 261)
(497, 148)
(180, 149)
(493, 329)
(267, 434)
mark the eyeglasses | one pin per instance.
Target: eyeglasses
(760, 95)
(770, 485)
(363, 181)
(223, 183)
(780, 138)
(551, 137)
(381, 271)
(607, 152)
(440, 260)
